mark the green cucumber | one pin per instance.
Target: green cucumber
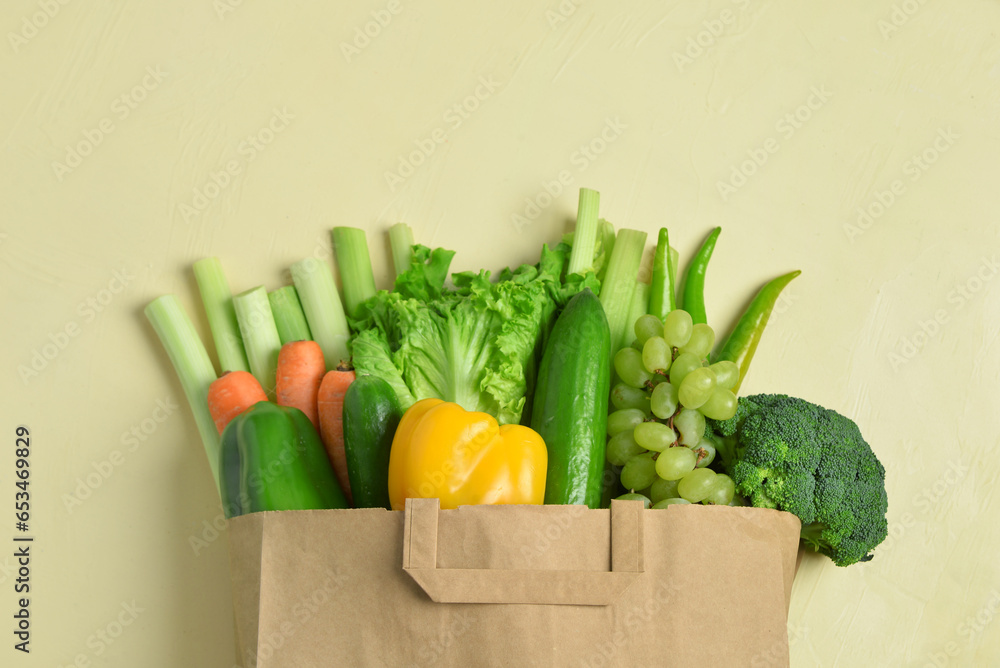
(371, 415)
(570, 409)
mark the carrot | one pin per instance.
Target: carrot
(232, 393)
(330, 403)
(300, 372)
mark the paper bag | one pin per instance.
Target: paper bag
(517, 586)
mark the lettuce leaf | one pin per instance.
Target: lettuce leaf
(476, 343)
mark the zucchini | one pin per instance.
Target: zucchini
(371, 415)
(570, 409)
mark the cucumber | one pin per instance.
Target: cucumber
(570, 409)
(371, 415)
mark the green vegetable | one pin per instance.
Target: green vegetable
(324, 312)
(401, 243)
(371, 415)
(743, 340)
(619, 284)
(218, 302)
(356, 278)
(289, 318)
(571, 402)
(585, 233)
(260, 335)
(786, 453)
(194, 368)
(693, 300)
(273, 459)
(661, 293)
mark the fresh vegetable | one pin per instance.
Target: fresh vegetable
(324, 311)
(570, 403)
(464, 458)
(401, 244)
(790, 454)
(289, 319)
(260, 336)
(351, 248)
(743, 340)
(194, 369)
(371, 416)
(272, 459)
(619, 283)
(581, 258)
(693, 300)
(218, 302)
(661, 293)
(300, 372)
(232, 393)
(330, 405)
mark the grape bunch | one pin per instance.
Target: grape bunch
(657, 425)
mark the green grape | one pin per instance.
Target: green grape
(721, 405)
(674, 463)
(677, 327)
(637, 345)
(646, 327)
(662, 489)
(624, 420)
(696, 387)
(706, 453)
(722, 491)
(632, 496)
(669, 502)
(654, 436)
(656, 355)
(690, 424)
(683, 364)
(626, 396)
(622, 447)
(663, 401)
(726, 374)
(639, 472)
(696, 485)
(701, 341)
(628, 365)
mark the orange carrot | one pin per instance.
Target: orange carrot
(300, 372)
(232, 393)
(330, 403)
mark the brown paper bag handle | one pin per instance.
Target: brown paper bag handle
(543, 587)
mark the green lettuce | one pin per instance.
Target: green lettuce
(476, 343)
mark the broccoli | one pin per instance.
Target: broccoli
(786, 453)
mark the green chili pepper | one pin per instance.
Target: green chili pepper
(661, 293)
(272, 459)
(693, 300)
(742, 342)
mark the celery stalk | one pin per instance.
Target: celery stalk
(355, 265)
(401, 242)
(324, 312)
(606, 233)
(639, 307)
(218, 302)
(193, 367)
(260, 335)
(581, 258)
(288, 316)
(619, 284)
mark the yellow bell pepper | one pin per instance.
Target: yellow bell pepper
(464, 458)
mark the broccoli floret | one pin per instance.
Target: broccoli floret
(786, 453)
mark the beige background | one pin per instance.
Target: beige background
(161, 98)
